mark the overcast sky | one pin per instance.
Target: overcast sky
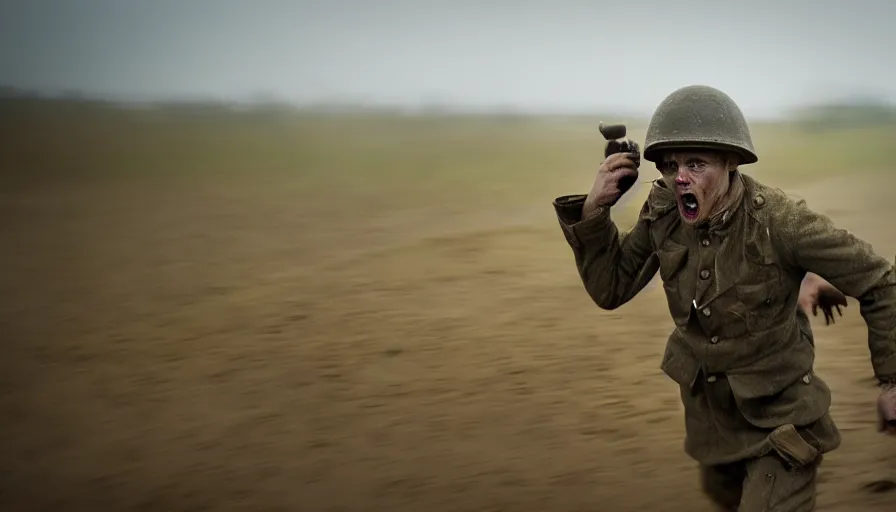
(560, 54)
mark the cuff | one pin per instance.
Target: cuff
(885, 371)
(578, 232)
(569, 208)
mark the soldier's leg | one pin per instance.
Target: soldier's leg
(773, 485)
(723, 484)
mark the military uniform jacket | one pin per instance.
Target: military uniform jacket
(742, 350)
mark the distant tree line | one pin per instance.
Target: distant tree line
(850, 113)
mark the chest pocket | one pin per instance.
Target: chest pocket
(672, 261)
(760, 291)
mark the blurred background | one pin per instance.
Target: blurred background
(302, 255)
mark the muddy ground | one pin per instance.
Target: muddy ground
(176, 344)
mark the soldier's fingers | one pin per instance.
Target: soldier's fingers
(840, 311)
(623, 166)
(615, 157)
(625, 172)
(814, 310)
(620, 161)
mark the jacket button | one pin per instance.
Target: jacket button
(705, 242)
(714, 339)
(711, 378)
(807, 379)
(758, 201)
(707, 312)
(704, 274)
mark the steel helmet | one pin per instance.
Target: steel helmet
(698, 116)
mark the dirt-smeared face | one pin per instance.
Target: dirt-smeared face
(699, 179)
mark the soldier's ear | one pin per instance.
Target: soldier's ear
(732, 161)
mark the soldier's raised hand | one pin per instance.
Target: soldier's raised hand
(614, 176)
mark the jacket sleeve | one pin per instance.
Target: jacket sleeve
(613, 266)
(814, 244)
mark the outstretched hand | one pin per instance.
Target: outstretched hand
(816, 293)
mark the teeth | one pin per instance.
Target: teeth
(689, 201)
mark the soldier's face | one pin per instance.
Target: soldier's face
(699, 179)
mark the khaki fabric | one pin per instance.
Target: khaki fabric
(765, 484)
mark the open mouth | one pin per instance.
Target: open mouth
(690, 208)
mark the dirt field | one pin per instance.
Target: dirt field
(227, 333)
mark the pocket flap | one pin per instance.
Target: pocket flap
(672, 258)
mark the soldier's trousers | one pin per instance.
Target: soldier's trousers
(765, 484)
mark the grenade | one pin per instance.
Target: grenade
(617, 142)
